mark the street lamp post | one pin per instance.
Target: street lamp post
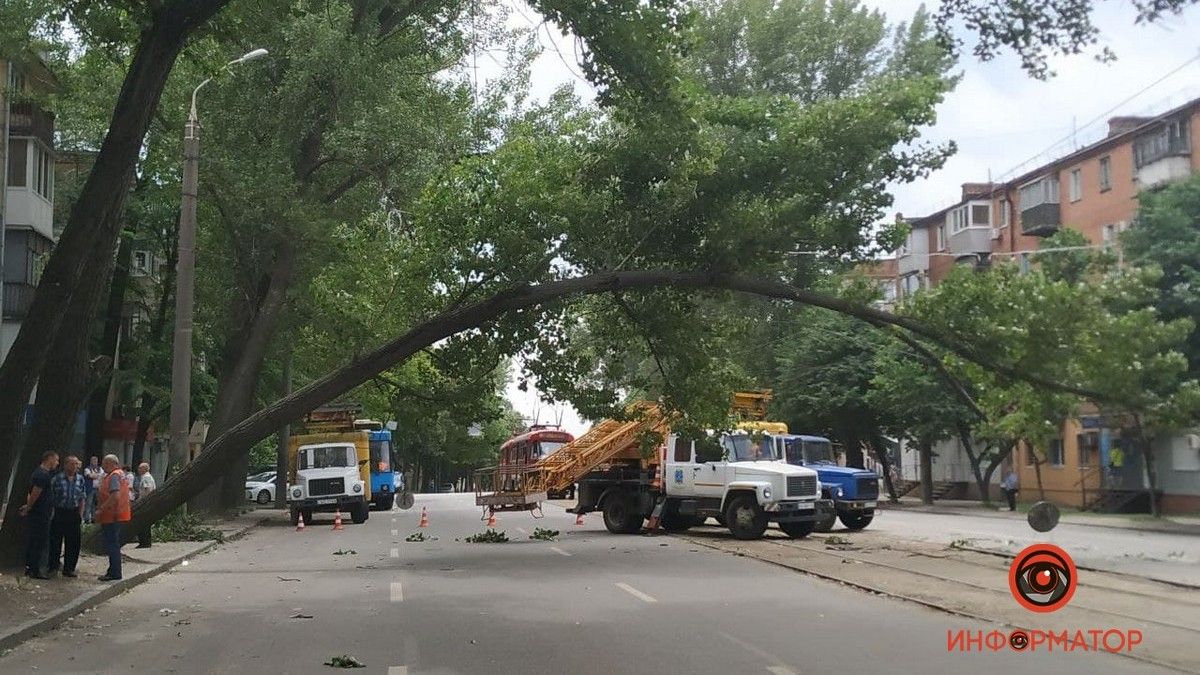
(185, 279)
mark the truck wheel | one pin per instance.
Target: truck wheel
(825, 524)
(621, 515)
(796, 530)
(384, 501)
(359, 513)
(746, 520)
(295, 514)
(855, 521)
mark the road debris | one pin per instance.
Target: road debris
(345, 661)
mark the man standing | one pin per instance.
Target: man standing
(39, 509)
(1010, 489)
(143, 486)
(93, 473)
(113, 511)
(68, 490)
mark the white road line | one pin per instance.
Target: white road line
(397, 670)
(560, 551)
(777, 669)
(635, 592)
(395, 533)
(397, 592)
(394, 553)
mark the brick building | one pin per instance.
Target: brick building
(1093, 190)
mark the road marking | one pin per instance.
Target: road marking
(635, 592)
(777, 669)
(522, 530)
(395, 533)
(397, 670)
(560, 551)
(394, 553)
(397, 592)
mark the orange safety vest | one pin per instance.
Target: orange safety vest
(114, 508)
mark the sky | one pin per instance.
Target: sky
(1003, 121)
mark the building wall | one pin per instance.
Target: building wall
(1178, 466)
(1097, 208)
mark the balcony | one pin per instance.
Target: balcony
(17, 299)
(1164, 154)
(27, 119)
(1040, 212)
(971, 241)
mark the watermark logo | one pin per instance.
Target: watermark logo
(1042, 578)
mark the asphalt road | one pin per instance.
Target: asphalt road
(1157, 555)
(589, 603)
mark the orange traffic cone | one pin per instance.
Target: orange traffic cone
(579, 519)
(300, 523)
(424, 517)
(337, 520)
(491, 519)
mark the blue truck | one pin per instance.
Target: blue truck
(854, 491)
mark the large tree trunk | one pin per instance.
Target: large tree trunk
(997, 461)
(925, 453)
(242, 370)
(976, 460)
(852, 445)
(1151, 465)
(221, 450)
(80, 260)
(885, 461)
(109, 345)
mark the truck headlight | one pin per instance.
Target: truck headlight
(839, 492)
(358, 487)
(767, 494)
(296, 493)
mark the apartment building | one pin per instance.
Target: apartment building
(1093, 190)
(27, 201)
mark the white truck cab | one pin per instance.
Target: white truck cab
(328, 479)
(741, 482)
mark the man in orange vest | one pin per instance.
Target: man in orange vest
(112, 513)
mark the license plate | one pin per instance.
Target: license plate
(805, 506)
(869, 505)
(326, 501)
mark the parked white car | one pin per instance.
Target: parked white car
(261, 487)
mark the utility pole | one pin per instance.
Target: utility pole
(281, 453)
(185, 279)
(185, 286)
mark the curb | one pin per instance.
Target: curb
(1189, 530)
(32, 629)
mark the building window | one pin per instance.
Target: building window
(941, 237)
(1041, 191)
(1168, 140)
(140, 266)
(1089, 448)
(981, 215)
(17, 163)
(1004, 213)
(43, 171)
(1105, 173)
(1054, 452)
(1076, 185)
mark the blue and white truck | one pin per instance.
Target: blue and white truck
(854, 492)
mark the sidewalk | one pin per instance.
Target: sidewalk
(29, 607)
(1143, 522)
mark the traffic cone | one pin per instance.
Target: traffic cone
(300, 523)
(424, 517)
(337, 520)
(579, 519)
(491, 519)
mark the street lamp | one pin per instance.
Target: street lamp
(185, 277)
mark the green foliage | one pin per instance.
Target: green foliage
(487, 537)
(182, 526)
(543, 534)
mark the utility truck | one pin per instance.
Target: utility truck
(854, 492)
(679, 481)
(331, 464)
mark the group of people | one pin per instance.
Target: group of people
(60, 501)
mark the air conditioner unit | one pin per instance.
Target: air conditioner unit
(995, 233)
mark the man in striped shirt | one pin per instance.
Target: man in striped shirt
(68, 489)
